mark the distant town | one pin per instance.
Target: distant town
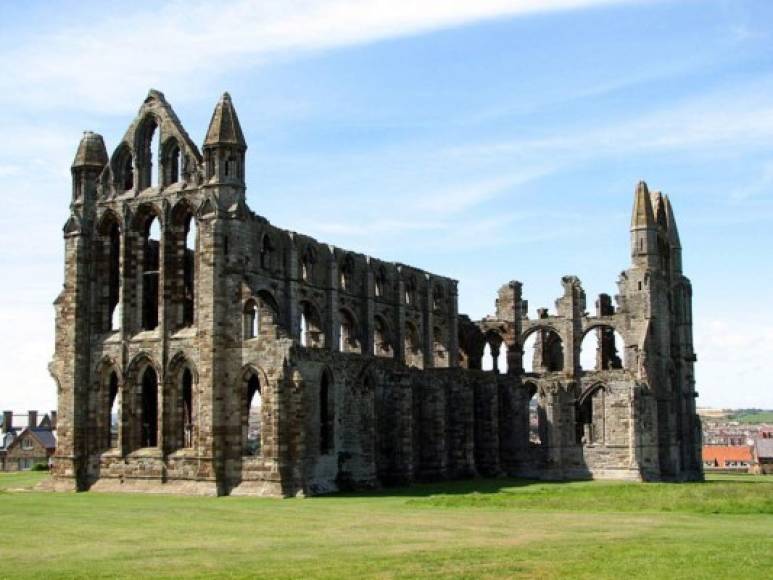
(737, 440)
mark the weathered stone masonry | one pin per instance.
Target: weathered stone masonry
(181, 307)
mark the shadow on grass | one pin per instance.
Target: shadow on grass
(454, 487)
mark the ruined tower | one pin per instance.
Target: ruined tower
(200, 349)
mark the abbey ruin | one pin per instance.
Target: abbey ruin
(200, 349)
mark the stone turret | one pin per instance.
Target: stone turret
(89, 161)
(673, 237)
(644, 229)
(224, 145)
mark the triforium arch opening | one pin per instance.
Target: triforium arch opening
(311, 333)
(382, 340)
(543, 350)
(326, 413)
(414, 357)
(348, 332)
(182, 241)
(108, 272)
(602, 349)
(252, 414)
(591, 416)
(440, 357)
(260, 315)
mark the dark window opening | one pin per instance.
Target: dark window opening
(537, 417)
(379, 283)
(189, 272)
(113, 411)
(590, 418)
(174, 159)
(231, 167)
(311, 326)
(438, 299)
(251, 319)
(439, 349)
(348, 333)
(127, 171)
(381, 344)
(149, 434)
(253, 439)
(150, 275)
(187, 418)
(414, 356)
(347, 272)
(308, 259)
(114, 277)
(266, 253)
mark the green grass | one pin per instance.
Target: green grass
(472, 529)
(753, 417)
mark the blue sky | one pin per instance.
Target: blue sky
(484, 141)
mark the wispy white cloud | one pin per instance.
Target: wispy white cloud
(725, 121)
(104, 64)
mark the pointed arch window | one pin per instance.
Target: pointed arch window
(253, 423)
(251, 319)
(151, 273)
(189, 271)
(591, 416)
(123, 168)
(113, 419)
(149, 409)
(172, 162)
(186, 423)
(108, 273)
(148, 152)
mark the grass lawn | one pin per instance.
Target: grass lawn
(754, 417)
(475, 529)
